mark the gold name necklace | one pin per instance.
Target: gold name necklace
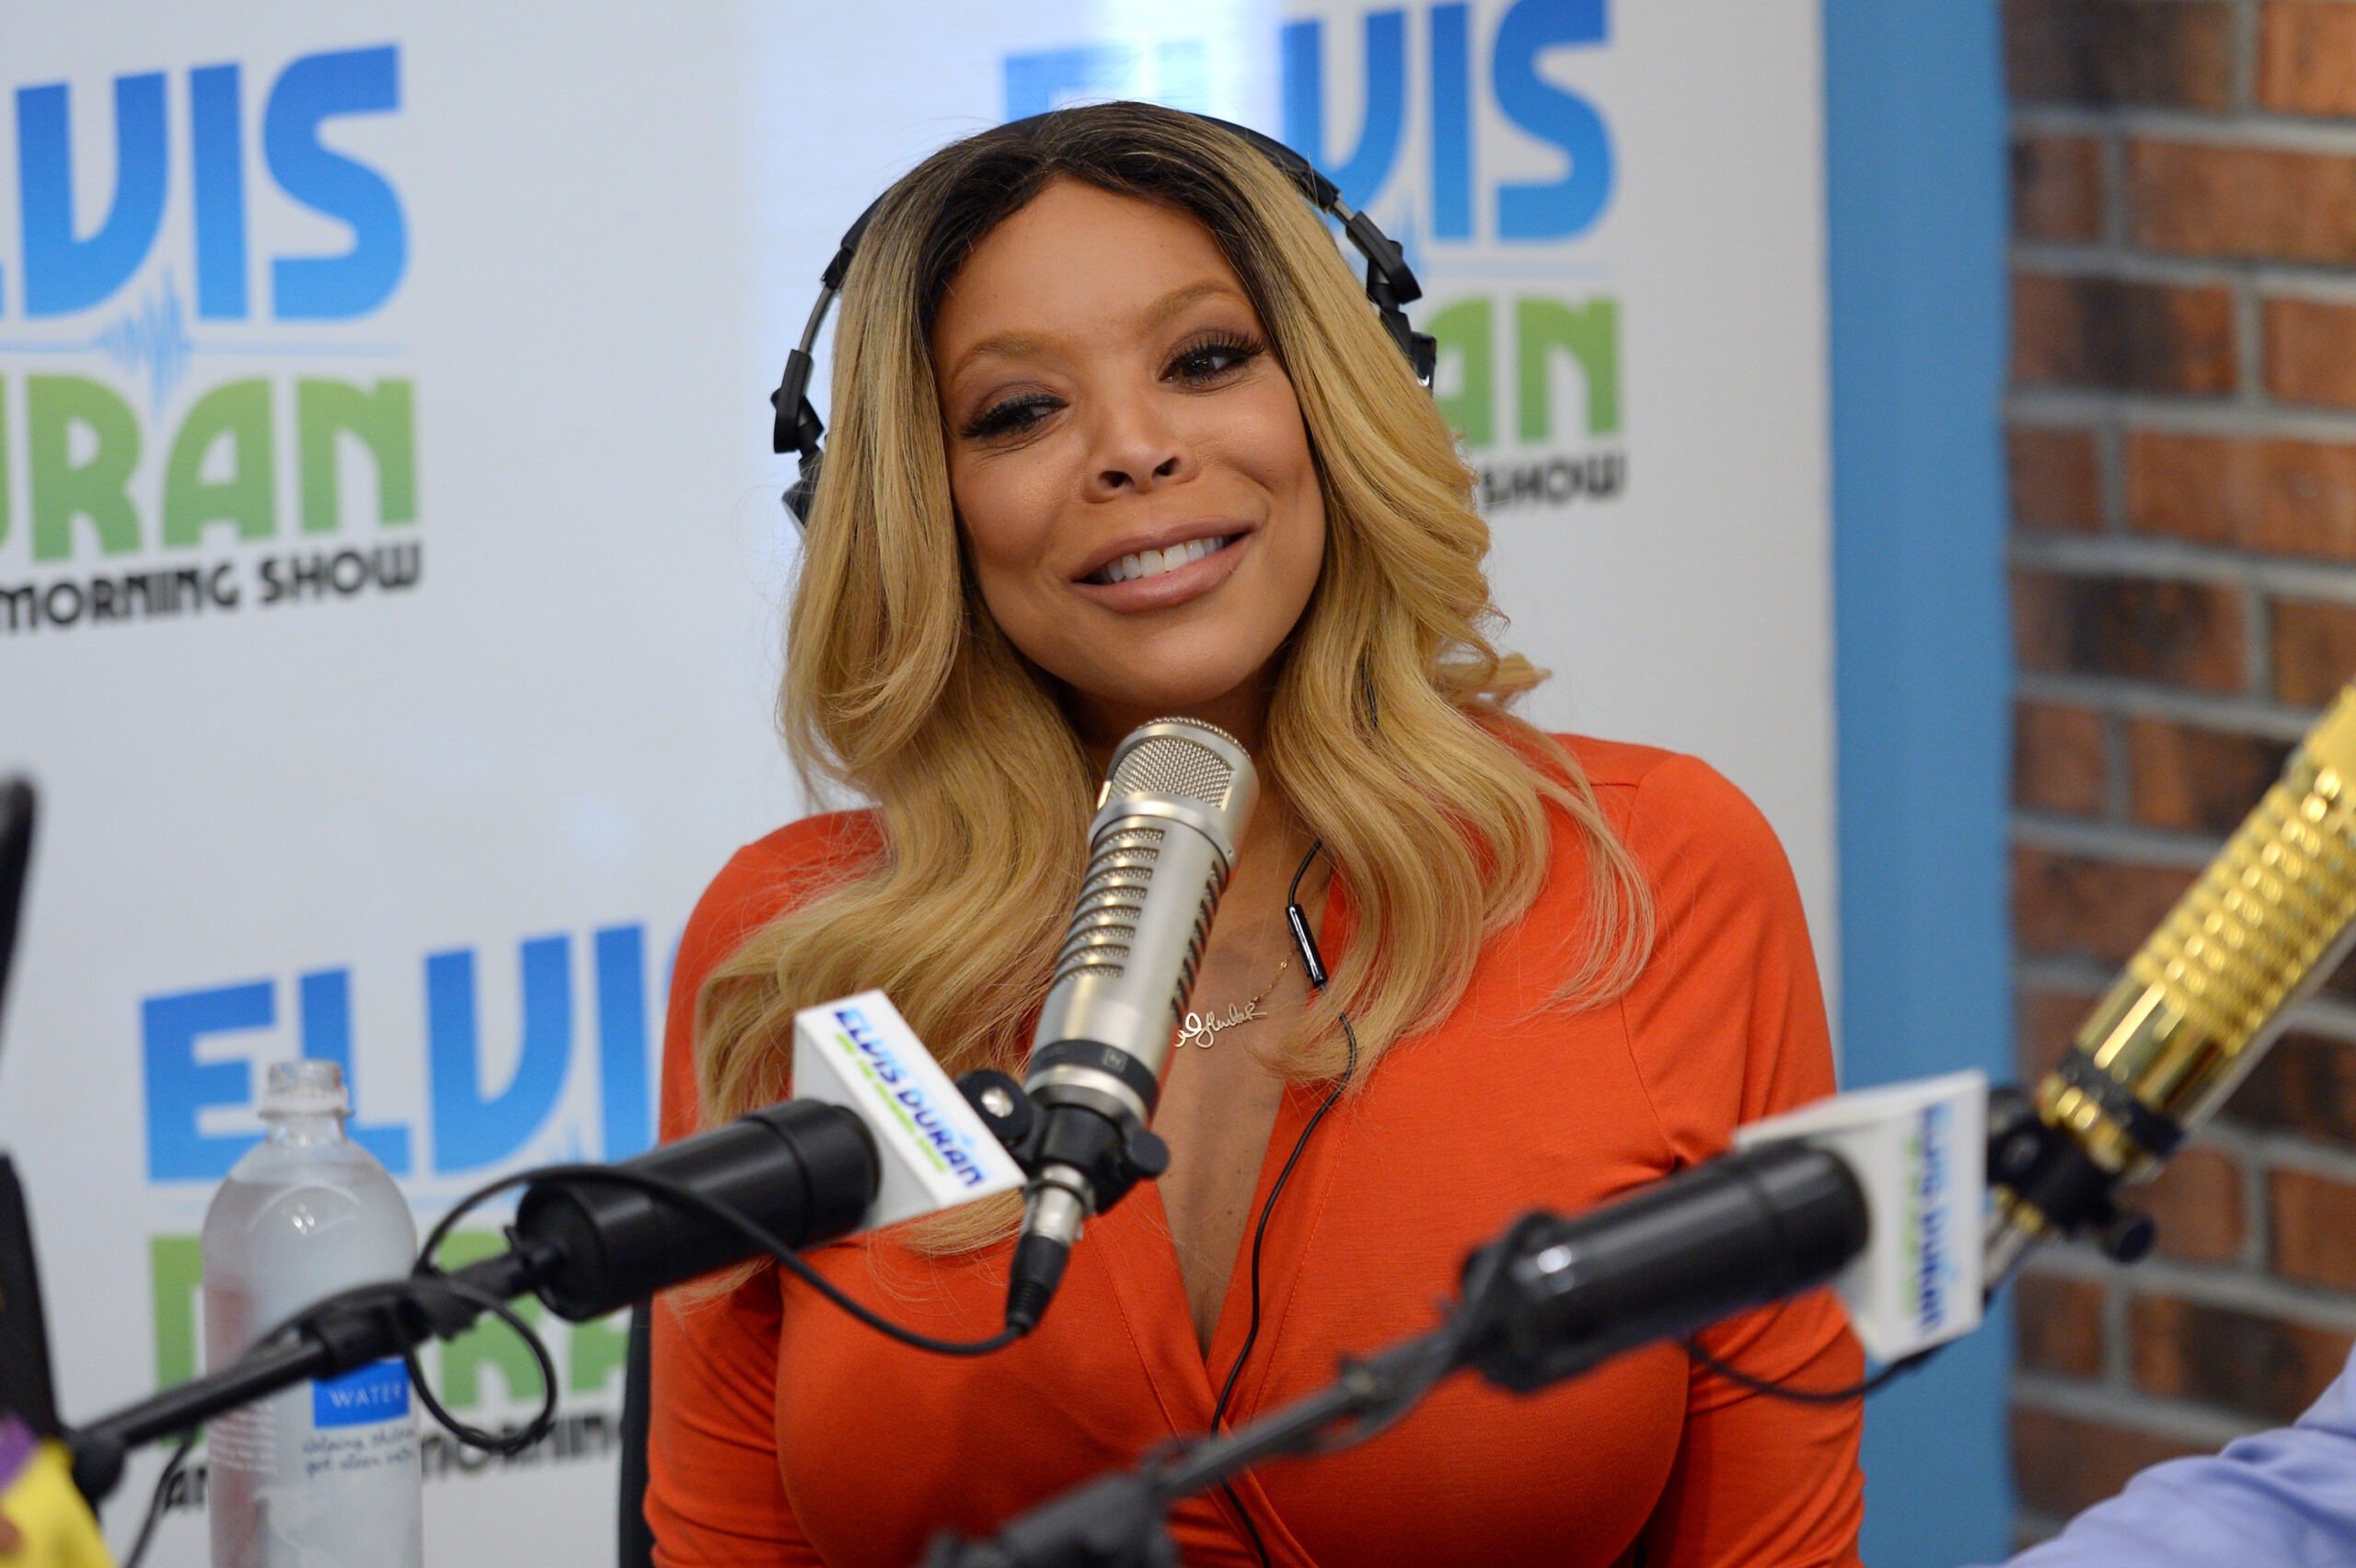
(1200, 1030)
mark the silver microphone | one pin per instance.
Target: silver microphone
(1176, 802)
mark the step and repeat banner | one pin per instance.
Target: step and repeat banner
(390, 559)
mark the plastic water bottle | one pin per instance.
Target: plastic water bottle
(324, 1475)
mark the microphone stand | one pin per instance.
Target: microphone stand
(340, 1335)
(1121, 1521)
(1547, 1300)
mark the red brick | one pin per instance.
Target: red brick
(2045, 1025)
(2058, 189)
(2055, 478)
(2237, 1361)
(2314, 1229)
(2197, 780)
(2133, 336)
(2196, 1201)
(2130, 51)
(2057, 758)
(2295, 498)
(2304, 1084)
(2062, 1466)
(2307, 57)
(2067, 906)
(2057, 1325)
(2258, 203)
(2314, 650)
(2181, 633)
(2310, 347)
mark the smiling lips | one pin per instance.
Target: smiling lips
(1143, 564)
(1162, 576)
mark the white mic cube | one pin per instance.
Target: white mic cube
(1919, 1151)
(937, 1153)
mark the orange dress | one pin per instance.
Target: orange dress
(785, 1432)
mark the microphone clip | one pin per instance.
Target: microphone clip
(1112, 1158)
(2044, 1185)
(1081, 1160)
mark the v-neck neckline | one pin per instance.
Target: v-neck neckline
(1151, 1289)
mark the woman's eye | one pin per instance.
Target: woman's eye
(1210, 361)
(1016, 416)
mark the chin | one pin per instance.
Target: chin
(1197, 690)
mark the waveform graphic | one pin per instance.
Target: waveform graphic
(150, 337)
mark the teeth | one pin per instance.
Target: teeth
(1153, 563)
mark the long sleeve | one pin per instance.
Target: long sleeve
(2281, 1499)
(1727, 1026)
(715, 1494)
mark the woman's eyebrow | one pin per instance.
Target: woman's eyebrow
(1175, 302)
(1001, 345)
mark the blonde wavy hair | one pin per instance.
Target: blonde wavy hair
(899, 687)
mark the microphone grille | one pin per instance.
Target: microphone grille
(1169, 764)
(1112, 898)
(2206, 993)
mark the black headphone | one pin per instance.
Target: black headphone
(1388, 284)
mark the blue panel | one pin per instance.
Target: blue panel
(218, 160)
(307, 94)
(472, 1129)
(326, 1037)
(1363, 173)
(1914, 137)
(66, 271)
(627, 1111)
(179, 1085)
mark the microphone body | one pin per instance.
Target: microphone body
(1877, 1192)
(1176, 802)
(803, 1170)
(2197, 1005)
(1744, 1229)
(875, 1135)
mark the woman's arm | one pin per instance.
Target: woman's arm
(714, 1493)
(714, 1496)
(1727, 1026)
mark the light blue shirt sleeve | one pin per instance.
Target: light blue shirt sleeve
(2281, 1499)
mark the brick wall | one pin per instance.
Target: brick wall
(2181, 435)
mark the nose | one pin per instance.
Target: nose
(1135, 449)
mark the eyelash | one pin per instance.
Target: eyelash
(1016, 416)
(1241, 350)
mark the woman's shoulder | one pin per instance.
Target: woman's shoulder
(811, 849)
(1675, 813)
(772, 874)
(1726, 1020)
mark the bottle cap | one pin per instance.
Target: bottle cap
(304, 1089)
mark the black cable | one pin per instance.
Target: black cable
(512, 1440)
(1808, 1396)
(1260, 1233)
(380, 1295)
(682, 1196)
(429, 1280)
(156, 1499)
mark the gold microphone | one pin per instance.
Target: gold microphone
(2198, 1003)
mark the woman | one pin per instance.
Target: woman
(1116, 435)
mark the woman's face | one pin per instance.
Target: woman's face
(1128, 460)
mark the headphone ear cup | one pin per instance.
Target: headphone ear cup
(1422, 352)
(803, 491)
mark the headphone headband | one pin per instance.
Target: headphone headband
(1389, 283)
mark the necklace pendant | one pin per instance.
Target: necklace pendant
(1201, 1030)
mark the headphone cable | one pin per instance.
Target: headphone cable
(1312, 961)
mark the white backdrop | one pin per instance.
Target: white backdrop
(510, 286)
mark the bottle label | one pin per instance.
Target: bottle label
(373, 1393)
